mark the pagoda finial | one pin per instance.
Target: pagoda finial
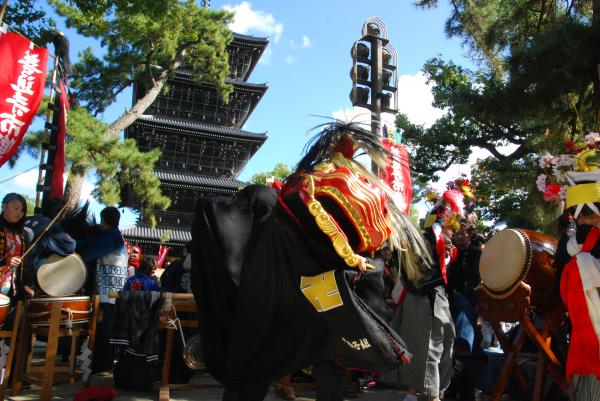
(206, 3)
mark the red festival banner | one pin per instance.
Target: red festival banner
(162, 255)
(397, 173)
(22, 78)
(58, 184)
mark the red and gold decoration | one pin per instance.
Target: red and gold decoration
(22, 79)
(162, 255)
(451, 206)
(573, 178)
(135, 254)
(353, 207)
(339, 193)
(397, 173)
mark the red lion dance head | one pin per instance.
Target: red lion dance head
(348, 203)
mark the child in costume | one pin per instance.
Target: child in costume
(13, 243)
(143, 280)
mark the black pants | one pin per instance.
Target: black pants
(104, 354)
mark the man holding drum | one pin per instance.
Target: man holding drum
(108, 248)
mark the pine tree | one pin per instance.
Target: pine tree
(144, 43)
(535, 86)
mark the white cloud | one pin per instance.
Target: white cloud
(290, 59)
(247, 20)
(306, 42)
(415, 98)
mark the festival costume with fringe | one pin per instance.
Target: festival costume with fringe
(275, 274)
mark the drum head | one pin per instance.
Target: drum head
(62, 275)
(505, 260)
(4, 300)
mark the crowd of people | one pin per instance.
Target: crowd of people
(113, 264)
(429, 302)
(434, 309)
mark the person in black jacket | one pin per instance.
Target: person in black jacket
(171, 279)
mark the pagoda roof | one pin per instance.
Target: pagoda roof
(153, 235)
(186, 179)
(239, 37)
(194, 127)
(244, 85)
(259, 44)
(186, 75)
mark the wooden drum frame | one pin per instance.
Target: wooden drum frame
(74, 310)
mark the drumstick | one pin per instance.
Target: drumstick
(45, 230)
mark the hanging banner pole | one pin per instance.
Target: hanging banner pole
(3, 10)
(41, 173)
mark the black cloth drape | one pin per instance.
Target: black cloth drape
(248, 257)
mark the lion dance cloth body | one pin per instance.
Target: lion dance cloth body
(277, 275)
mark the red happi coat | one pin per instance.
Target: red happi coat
(584, 348)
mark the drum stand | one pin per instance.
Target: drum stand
(181, 303)
(515, 307)
(53, 332)
(173, 303)
(12, 336)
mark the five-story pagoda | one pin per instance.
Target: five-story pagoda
(203, 145)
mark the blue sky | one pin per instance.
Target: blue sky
(307, 67)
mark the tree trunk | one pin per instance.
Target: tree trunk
(74, 186)
(77, 175)
(141, 105)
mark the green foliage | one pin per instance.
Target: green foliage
(30, 20)
(30, 205)
(143, 42)
(281, 171)
(534, 88)
(490, 29)
(510, 194)
(165, 237)
(115, 163)
(144, 39)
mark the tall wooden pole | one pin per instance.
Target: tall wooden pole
(43, 171)
(2, 10)
(376, 90)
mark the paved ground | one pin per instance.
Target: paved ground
(66, 392)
